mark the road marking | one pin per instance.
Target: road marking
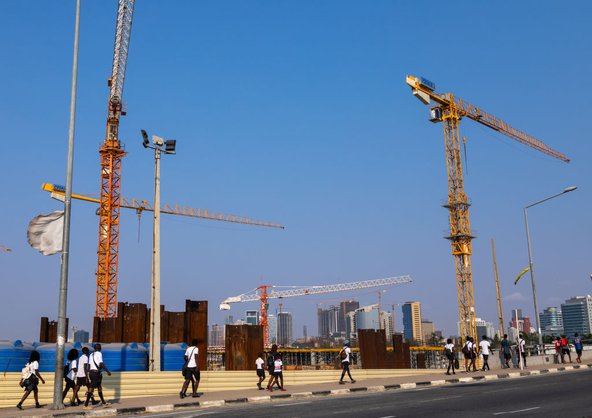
(516, 411)
(439, 399)
(389, 416)
(290, 404)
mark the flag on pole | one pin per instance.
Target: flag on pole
(521, 274)
(45, 232)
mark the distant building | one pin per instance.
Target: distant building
(217, 335)
(412, 321)
(229, 320)
(485, 328)
(81, 336)
(252, 317)
(522, 324)
(328, 320)
(367, 317)
(386, 323)
(427, 329)
(284, 329)
(551, 321)
(305, 332)
(351, 329)
(345, 307)
(577, 315)
(272, 327)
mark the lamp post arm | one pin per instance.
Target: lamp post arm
(544, 200)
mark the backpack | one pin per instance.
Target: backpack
(448, 353)
(342, 354)
(66, 369)
(270, 362)
(26, 372)
(465, 350)
(564, 342)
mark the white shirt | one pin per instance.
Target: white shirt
(522, 345)
(484, 345)
(33, 366)
(190, 354)
(82, 361)
(277, 365)
(71, 366)
(97, 358)
(449, 347)
(259, 362)
(347, 351)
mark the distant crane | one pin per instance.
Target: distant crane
(450, 110)
(4, 249)
(262, 294)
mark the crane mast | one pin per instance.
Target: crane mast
(111, 153)
(262, 294)
(450, 110)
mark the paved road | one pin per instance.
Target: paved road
(550, 395)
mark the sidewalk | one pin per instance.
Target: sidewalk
(221, 398)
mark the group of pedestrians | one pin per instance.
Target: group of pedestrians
(470, 351)
(563, 348)
(79, 371)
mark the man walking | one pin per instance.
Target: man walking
(506, 350)
(484, 350)
(344, 355)
(191, 370)
(95, 377)
(578, 346)
(565, 349)
(522, 349)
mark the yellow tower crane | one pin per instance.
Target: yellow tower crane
(450, 110)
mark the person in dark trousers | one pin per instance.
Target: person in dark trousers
(278, 367)
(345, 355)
(484, 350)
(81, 376)
(259, 363)
(506, 350)
(192, 373)
(522, 349)
(70, 377)
(577, 342)
(565, 349)
(95, 367)
(473, 348)
(449, 353)
(271, 367)
(30, 379)
(466, 350)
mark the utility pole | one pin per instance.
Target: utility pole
(379, 308)
(500, 310)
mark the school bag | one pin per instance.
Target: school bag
(270, 362)
(26, 372)
(465, 349)
(342, 354)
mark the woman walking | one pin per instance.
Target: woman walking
(449, 352)
(30, 379)
(70, 377)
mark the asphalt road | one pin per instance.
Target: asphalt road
(550, 395)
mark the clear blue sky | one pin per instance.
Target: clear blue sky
(297, 112)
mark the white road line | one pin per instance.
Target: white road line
(290, 404)
(439, 399)
(389, 416)
(516, 411)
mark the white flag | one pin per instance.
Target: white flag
(45, 232)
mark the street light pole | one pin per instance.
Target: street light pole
(169, 148)
(530, 264)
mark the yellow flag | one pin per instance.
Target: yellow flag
(521, 274)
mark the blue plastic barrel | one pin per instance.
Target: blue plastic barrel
(14, 355)
(47, 353)
(122, 357)
(171, 357)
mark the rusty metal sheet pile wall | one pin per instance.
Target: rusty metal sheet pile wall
(49, 330)
(243, 343)
(372, 348)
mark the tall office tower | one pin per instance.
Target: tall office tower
(81, 336)
(217, 335)
(284, 329)
(351, 329)
(386, 323)
(252, 317)
(345, 307)
(577, 315)
(305, 332)
(366, 317)
(427, 329)
(412, 321)
(551, 321)
(327, 321)
(272, 327)
(485, 328)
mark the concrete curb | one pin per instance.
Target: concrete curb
(299, 395)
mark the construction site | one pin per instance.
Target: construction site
(142, 336)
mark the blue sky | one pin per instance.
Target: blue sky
(298, 112)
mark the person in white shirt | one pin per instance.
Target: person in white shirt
(522, 349)
(449, 352)
(260, 371)
(70, 377)
(278, 375)
(191, 370)
(82, 375)
(95, 365)
(485, 351)
(345, 354)
(31, 379)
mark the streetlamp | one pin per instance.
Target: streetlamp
(168, 147)
(534, 297)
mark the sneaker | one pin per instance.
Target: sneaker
(38, 406)
(270, 389)
(105, 405)
(353, 381)
(19, 406)
(181, 395)
(341, 382)
(259, 386)
(87, 407)
(195, 395)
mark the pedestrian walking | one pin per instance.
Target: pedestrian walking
(558, 353)
(473, 350)
(506, 350)
(484, 350)
(345, 355)
(260, 371)
(191, 371)
(577, 342)
(278, 367)
(70, 370)
(95, 375)
(449, 353)
(466, 350)
(522, 349)
(30, 378)
(82, 377)
(565, 349)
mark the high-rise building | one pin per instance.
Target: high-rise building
(272, 326)
(522, 324)
(252, 317)
(386, 323)
(305, 332)
(328, 320)
(366, 317)
(551, 321)
(345, 307)
(217, 335)
(412, 321)
(229, 320)
(485, 328)
(284, 329)
(81, 336)
(351, 330)
(577, 315)
(427, 329)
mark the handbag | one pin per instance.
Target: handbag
(184, 368)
